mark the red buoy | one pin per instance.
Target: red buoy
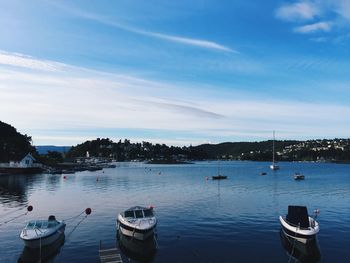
(88, 211)
(30, 208)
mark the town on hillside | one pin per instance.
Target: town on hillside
(17, 154)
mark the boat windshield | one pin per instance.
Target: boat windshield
(148, 212)
(138, 213)
(129, 214)
(41, 224)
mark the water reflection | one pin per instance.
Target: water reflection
(300, 252)
(140, 251)
(45, 254)
(13, 189)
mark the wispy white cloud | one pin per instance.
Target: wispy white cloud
(335, 12)
(342, 7)
(312, 28)
(297, 11)
(189, 41)
(78, 99)
(20, 60)
(195, 42)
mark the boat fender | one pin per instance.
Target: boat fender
(88, 211)
(30, 208)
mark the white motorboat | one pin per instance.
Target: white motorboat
(137, 222)
(298, 176)
(40, 233)
(299, 225)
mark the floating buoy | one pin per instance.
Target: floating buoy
(30, 208)
(64, 177)
(88, 211)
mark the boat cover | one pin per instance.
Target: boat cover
(297, 215)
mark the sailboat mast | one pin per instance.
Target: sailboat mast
(273, 148)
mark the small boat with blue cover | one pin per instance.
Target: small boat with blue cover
(40, 233)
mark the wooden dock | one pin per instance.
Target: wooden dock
(110, 255)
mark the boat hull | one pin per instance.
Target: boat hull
(134, 232)
(45, 241)
(219, 177)
(274, 167)
(301, 235)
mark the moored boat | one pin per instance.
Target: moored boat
(137, 222)
(274, 166)
(299, 225)
(219, 177)
(40, 233)
(300, 252)
(298, 176)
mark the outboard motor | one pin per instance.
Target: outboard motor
(52, 218)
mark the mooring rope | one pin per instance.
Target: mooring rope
(74, 217)
(71, 232)
(291, 255)
(87, 211)
(29, 209)
(11, 212)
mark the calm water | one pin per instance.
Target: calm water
(234, 220)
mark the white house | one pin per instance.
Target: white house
(26, 162)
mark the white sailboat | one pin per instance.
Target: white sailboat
(274, 166)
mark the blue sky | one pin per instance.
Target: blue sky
(176, 72)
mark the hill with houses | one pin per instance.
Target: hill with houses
(14, 146)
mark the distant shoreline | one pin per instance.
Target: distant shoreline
(168, 162)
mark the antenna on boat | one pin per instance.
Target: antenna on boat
(317, 212)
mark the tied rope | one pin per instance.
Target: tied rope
(74, 217)
(75, 227)
(291, 254)
(87, 211)
(29, 209)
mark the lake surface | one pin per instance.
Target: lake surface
(199, 220)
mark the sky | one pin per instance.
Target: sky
(175, 72)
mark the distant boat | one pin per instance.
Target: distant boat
(40, 233)
(273, 166)
(263, 173)
(298, 176)
(219, 176)
(137, 222)
(299, 225)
